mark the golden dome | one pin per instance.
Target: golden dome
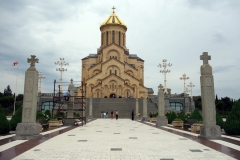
(113, 20)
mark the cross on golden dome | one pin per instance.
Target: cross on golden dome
(113, 9)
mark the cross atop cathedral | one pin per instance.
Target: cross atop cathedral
(32, 60)
(205, 57)
(113, 9)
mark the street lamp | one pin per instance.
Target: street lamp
(40, 76)
(164, 71)
(184, 78)
(61, 63)
(191, 85)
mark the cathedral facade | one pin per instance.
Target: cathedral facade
(113, 72)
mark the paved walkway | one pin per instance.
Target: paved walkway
(123, 139)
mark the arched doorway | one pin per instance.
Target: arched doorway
(112, 95)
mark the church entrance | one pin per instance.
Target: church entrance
(112, 96)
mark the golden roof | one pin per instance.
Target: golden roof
(113, 19)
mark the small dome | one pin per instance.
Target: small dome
(113, 20)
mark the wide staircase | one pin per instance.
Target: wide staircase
(123, 105)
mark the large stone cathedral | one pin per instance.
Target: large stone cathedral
(113, 72)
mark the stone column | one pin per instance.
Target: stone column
(144, 117)
(209, 129)
(137, 109)
(161, 118)
(90, 108)
(192, 105)
(28, 129)
(70, 105)
(186, 103)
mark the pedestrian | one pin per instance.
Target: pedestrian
(104, 114)
(132, 114)
(116, 114)
(111, 115)
(101, 114)
(66, 95)
(107, 114)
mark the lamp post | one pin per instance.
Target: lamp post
(164, 71)
(191, 85)
(40, 76)
(61, 63)
(184, 78)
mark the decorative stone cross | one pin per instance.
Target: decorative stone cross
(32, 60)
(205, 57)
(113, 9)
(160, 87)
(71, 80)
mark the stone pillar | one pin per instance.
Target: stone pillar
(166, 102)
(90, 108)
(144, 117)
(186, 103)
(137, 109)
(70, 105)
(209, 129)
(161, 118)
(192, 105)
(28, 129)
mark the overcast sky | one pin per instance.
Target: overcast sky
(176, 30)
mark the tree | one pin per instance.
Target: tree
(6, 101)
(232, 124)
(4, 124)
(16, 118)
(198, 103)
(19, 97)
(216, 97)
(8, 91)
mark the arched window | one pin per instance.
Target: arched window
(110, 71)
(107, 38)
(119, 37)
(116, 72)
(113, 35)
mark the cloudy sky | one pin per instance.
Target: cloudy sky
(176, 30)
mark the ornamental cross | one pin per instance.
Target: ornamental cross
(32, 60)
(160, 87)
(205, 57)
(113, 9)
(71, 80)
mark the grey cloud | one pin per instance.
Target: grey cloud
(218, 69)
(219, 38)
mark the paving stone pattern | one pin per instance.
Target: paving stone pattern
(89, 144)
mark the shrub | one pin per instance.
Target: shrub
(60, 115)
(219, 120)
(17, 118)
(39, 115)
(4, 124)
(182, 116)
(47, 112)
(196, 115)
(178, 119)
(232, 124)
(170, 116)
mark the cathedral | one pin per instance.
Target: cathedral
(113, 72)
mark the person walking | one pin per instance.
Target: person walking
(107, 114)
(111, 115)
(116, 114)
(132, 114)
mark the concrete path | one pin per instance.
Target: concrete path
(121, 139)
